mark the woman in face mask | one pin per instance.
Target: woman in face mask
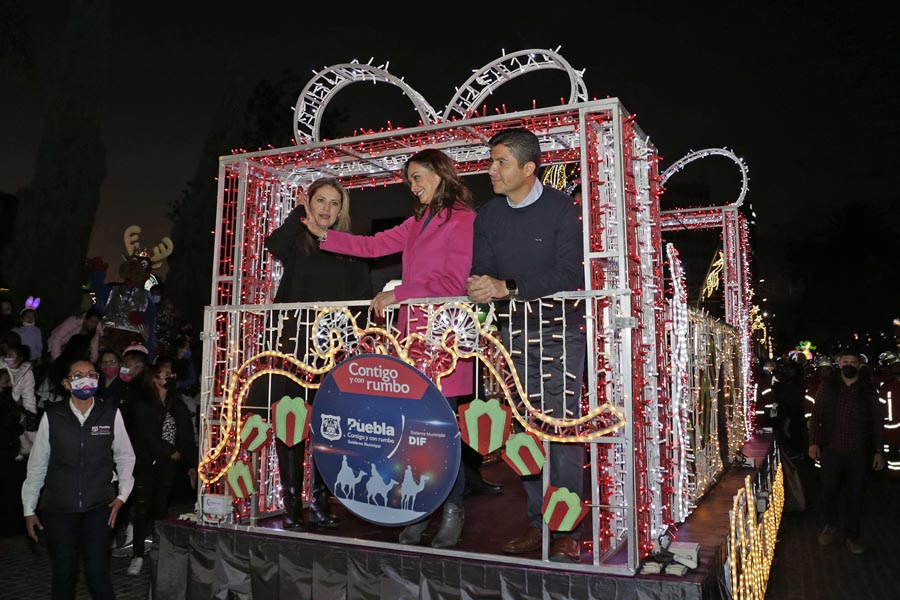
(79, 476)
(22, 377)
(163, 436)
(134, 361)
(112, 388)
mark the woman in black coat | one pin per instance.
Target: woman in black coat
(311, 275)
(163, 435)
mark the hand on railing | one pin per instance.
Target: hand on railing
(484, 288)
(381, 301)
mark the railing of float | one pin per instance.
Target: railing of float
(302, 342)
(252, 346)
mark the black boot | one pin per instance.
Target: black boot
(412, 534)
(293, 512)
(452, 522)
(320, 509)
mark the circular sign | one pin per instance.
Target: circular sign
(384, 439)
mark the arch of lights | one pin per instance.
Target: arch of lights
(648, 466)
(735, 269)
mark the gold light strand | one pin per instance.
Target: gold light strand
(555, 176)
(713, 277)
(753, 537)
(238, 388)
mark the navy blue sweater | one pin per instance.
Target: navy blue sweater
(539, 245)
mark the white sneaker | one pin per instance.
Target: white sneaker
(135, 567)
(126, 544)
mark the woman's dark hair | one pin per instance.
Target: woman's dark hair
(78, 347)
(112, 351)
(150, 372)
(450, 193)
(92, 312)
(67, 364)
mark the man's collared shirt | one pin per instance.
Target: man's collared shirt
(536, 190)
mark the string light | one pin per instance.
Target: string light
(751, 544)
(656, 369)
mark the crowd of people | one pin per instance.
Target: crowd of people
(841, 411)
(101, 406)
(105, 432)
(138, 401)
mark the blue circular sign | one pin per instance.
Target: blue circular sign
(384, 439)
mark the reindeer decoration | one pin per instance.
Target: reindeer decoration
(129, 314)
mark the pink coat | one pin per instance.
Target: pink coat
(60, 336)
(436, 263)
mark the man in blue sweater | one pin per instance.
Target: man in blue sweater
(528, 244)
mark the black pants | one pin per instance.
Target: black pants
(152, 488)
(290, 469)
(843, 471)
(79, 537)
(550, 381)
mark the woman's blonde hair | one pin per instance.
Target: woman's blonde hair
(307, 242)
(343, 221)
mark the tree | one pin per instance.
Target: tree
(246, 119)
(56, 211)
(189, 279)
(16, 43)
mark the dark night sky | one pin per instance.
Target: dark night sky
(806, 95)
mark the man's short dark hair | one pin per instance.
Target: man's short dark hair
(522, 143)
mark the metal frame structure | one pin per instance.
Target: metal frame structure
(634, 466)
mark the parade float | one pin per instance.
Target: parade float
(667, 397)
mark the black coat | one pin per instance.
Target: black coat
(148, 414)
(311, 275)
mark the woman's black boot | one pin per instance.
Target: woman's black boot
(320, 509)
(293, 512)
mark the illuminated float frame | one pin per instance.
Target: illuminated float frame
(628, 380)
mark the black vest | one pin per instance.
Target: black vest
(81, 467)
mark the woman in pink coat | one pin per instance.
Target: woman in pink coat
(436, 247)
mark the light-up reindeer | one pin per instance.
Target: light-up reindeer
(129, 314)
